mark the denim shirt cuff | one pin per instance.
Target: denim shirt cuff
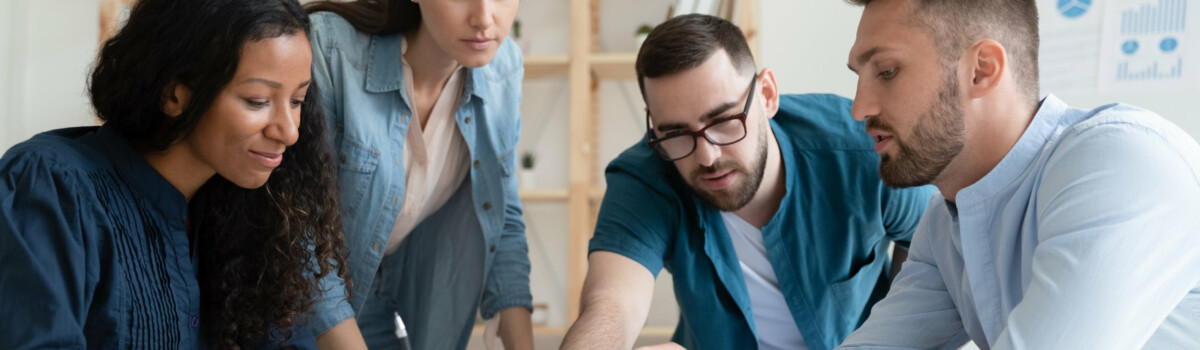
(329, 313)
(514, 300)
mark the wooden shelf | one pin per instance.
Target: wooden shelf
(614, 66)
(607, 66)
(543, 195)
(545, 66)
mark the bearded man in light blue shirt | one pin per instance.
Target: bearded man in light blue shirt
(1056, 228)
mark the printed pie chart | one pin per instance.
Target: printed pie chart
(1073, 8)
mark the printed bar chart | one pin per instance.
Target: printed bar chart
(1150, 72)
(1148, 46)
(1169, 16)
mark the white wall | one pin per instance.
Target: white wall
(7, 112)
(806, 44)
(48, 48)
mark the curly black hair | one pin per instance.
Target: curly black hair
(262, 252)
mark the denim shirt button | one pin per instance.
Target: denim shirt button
(487, 205)
(493, 248)
(477, 164)
(468, 120)
(195, 322)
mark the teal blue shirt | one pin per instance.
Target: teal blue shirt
(827, 242)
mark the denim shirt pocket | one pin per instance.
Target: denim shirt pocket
(356, 168)
(507, 162)
(854, 292)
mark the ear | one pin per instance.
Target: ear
(770, 92)
(175, 97)
(988, 62)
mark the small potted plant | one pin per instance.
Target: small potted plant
(526, 173)
(643, 31)
(521, 42)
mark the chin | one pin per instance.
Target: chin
(251, 182)
(476, 59)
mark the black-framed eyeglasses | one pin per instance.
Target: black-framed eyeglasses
(721, 132)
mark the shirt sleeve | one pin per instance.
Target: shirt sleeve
(333, 306)
(918, 312)
(45, 281)
(902, 210)
(323, 68)
(635, 221)
(1118, 229)
(508, 283)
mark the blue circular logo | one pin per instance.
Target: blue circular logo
(1073, 8)
(1129, 47)
(1169, 44)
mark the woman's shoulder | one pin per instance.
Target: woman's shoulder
(331, 31)
(57, 152)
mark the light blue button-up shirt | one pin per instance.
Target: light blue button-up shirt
(1085, 236)
(456, 262)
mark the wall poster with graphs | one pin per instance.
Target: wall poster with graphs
(1117, 46)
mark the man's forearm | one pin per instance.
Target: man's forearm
(600, 328)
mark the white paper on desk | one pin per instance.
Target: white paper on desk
(1070, 45)
(1150, 45)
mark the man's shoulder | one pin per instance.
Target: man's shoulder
(821, 122)
(641, 164)
(1128, 127)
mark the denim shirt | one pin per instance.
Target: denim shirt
(94, 250)
(360, 79)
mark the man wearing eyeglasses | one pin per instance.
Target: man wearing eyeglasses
(767, 210)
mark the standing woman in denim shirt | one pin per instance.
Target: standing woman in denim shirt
(192, 217)
(423, 97)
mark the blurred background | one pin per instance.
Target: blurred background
(582, 107)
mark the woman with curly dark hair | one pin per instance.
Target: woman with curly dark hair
(201, 213)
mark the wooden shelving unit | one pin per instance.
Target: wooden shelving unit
(584, 68)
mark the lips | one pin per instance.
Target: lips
(479, 43)
(718, 180)
(268, 159)
(882, 139)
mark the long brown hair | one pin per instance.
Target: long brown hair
(381, 17)
(261, 252)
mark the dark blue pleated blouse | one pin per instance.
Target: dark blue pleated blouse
(93, 250)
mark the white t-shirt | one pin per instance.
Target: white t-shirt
(772, 318)
(436, 157)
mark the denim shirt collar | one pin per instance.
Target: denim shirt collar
(719, 247)
(384, 72)
(141, 177)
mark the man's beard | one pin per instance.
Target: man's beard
(935, 140)
(737, 195)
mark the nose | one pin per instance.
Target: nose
(706, 153)
(481, 14)
(865, 105)
(284, 126)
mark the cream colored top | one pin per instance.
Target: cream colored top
(436, 158)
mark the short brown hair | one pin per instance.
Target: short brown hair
(955, 24)
(686, 42)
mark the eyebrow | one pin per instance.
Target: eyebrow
(866, 56)
(712, 113)
(273, 84)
